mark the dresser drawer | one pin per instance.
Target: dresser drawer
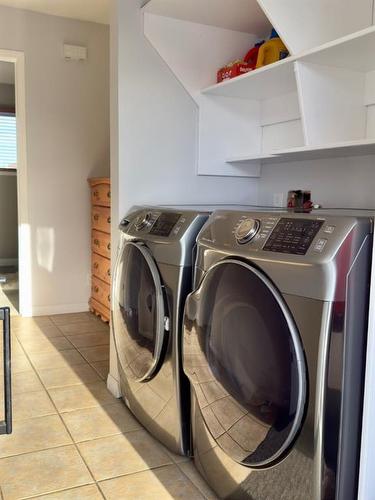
(103, 311)
(101, 267)
(101, 195)
(101, 292)
(101, 218)
(101, 243)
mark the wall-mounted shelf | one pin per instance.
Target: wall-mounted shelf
(272, 80)
(338, 150)
(317, 103)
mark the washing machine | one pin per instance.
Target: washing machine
(153, 275)
(274, 348)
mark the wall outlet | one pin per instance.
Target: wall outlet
(278, 200)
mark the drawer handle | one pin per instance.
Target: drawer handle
(96, 193)
(96, 217)
(96, 289)
(96, 265)
(109, 298)
(109, 246)
(108, 194)
(96, 242)
(109, 220)
(109, 272)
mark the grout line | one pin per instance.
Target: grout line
(192, 482)
(61, 419)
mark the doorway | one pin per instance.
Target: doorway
(9, 283)
(15, 249)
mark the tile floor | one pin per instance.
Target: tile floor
(71, 438)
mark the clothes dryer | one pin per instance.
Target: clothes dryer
(274, 348)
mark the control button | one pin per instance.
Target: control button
(329, 229)
(246, 230)
(320, 244)
(143, 221)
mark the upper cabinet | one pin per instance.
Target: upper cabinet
(318, 102)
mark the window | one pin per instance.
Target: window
(8, 141)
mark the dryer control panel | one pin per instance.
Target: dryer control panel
(293, 236)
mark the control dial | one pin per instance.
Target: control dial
(246, 230)
(143, 221)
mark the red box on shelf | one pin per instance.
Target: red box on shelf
(232, 70)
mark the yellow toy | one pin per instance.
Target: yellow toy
(271, 51)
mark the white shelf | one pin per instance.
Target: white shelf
(269, 81)
(355, 52)
(352, 148)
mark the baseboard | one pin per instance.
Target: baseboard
(8, 262)
(60, 309)
(113, 386)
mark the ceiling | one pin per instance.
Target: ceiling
(237, 15)
(85, 10)
(6, 72)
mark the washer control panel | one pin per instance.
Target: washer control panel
(253, 230)
(246, 230)
(295, 236)
(159, 223)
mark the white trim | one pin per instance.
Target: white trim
(8, 262)
(24, 233)
(59, 309)
(113, 386)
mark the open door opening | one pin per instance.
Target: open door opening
(9, 288)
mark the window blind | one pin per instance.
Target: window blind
(8, 141)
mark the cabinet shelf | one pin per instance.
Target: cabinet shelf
(354, 52)
(272, 80)
(337, 150)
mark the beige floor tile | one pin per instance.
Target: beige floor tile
(68, 375)
(20, 364)
(77, 397)
(48, 331)
(83, 327)
(34, 434)
(92, 354)
(123, 454)
(100, 421)
(20, 322)
(102, 367)
(89, 492)
(162, 483)
(39, 345)
(31, 404)
(25, 382)
(41, 472)
(89, 339)
(65, 319)
(56, 360)
(192, 473)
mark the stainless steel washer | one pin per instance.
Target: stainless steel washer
(152, 278)
(274, 347)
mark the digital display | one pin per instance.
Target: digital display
(293, 236)
(164, 224)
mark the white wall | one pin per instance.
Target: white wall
(8, 218)
(67, 110)
(7, 95)
(340, 182)
(155, 146)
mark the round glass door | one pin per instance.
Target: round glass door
(243, 356)
(138, 312)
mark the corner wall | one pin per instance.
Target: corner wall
(67, 124)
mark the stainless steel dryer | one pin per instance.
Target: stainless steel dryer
(152, 278)
(274, 347)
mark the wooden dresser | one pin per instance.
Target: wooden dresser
(100, 301)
